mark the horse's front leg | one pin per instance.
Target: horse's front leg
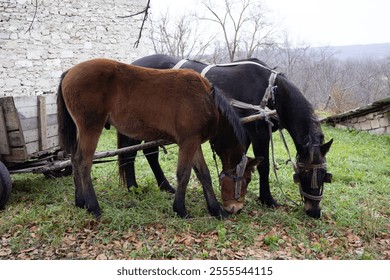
(126, 161)
(203, 174)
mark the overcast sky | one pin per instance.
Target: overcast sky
(317, 22)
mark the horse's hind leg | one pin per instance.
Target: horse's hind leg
(82, 160)
(186, 159)
(203, 174)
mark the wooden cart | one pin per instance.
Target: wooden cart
(28, 137)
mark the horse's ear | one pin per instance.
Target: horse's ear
(325, 147)
(253, 162)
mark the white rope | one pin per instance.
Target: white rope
(206, 69)
(179, 64)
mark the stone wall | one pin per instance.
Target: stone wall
(375, 123)
(64, 33)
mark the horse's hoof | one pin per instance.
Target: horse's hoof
(97, 214)
(184, 216)
(220, 214)
(181, 212)
(130, 186)
(166, 187)
(272, 203)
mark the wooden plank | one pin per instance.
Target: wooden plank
(32, 123)
(29, 124)
(12, 123)
(42, 122)
(33, 112)
(25, 101)
(32, 147)
(10, 114)
(16, 138)
(32, 135)
(31, 100)
(52, 130)
(51, 99)
(17, 155)
(4, 145)
(53, 142)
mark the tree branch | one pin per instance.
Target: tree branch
(35, 13)
(146, 13)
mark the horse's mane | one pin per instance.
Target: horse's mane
(226, 109)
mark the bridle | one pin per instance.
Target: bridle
(237, 175)
(301, 167)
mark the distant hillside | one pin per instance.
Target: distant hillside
(374, 51)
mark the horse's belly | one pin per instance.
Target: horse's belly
(139, 130)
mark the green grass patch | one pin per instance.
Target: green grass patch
(41, 222)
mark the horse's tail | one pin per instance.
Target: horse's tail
(67, 129)
(228, 112)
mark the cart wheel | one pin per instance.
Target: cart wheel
(5, 185)
(67, 171)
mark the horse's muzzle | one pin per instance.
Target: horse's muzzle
(312, 209)
(233, 207)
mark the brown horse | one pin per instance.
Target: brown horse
(147, 104)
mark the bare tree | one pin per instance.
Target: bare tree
(243, 24)
(179, 37)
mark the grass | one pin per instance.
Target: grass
(41, 222)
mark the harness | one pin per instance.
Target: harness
(314, 181)
(238, 177)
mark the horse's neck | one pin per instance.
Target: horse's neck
(231, 157)
(297, 117)
(228, 149)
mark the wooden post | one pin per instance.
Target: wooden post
(4, 145)
(42, 123)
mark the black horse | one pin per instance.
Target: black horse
(246, 81)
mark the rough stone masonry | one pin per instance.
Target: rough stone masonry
(63, 33)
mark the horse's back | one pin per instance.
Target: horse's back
(142, 102)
